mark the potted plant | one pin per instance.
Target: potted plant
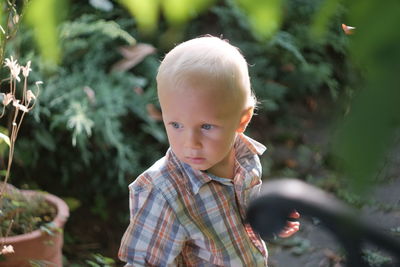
(31, 222)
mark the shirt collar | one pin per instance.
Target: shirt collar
(253, 147)
(245, 148)
(195, 178)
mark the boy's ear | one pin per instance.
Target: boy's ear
(247, 114)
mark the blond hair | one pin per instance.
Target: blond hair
(211, 58)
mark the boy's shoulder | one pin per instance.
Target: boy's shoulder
(163, 176)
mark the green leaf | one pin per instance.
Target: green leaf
(322, 17)
(264, 16)
(44, 138)
(180, 11)
(44, 17)
(17, 203)
(87, 25)
(5, 138)
(145, 12)
(73, 203)
(369, 130)
(50, 228)
(176, 11)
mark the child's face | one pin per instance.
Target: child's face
(201, 122)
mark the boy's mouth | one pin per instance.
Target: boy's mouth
(195, 160)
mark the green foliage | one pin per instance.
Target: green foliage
(91, 123)
(39, 263)
(263, 16)
(395, 230)
(376, 259)
(92, 132)
(46, 33)
(176, 12)
(291, 63)
(21, 213)
(100, 261)
(296, 245)
(369, 129)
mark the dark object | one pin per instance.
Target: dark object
(268, 215)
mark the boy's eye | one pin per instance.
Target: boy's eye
(175, 125)
(207, 126)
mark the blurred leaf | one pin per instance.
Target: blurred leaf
(177, 11)
(145, 12)
(287, 41)
(154, 112)
(78, 121)
(5, 138)
(155, 130)
(73, 203)
(2, 22)
(100, 261)
(4, 141)
(395, 230)
(202, 5)
(17, 203)
(322, 17)
(44, 16)
(376, 258)
(44, 138)
(103, 5)
(100, 207)
(87, 25)
(50, 228)
(2, 32)
(264, 16)
(133, 55)
(369, 128)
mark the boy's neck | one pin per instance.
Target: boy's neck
(225, 168)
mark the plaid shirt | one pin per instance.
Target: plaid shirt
(185, 217)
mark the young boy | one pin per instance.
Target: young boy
(188, 209)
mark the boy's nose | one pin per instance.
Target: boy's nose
(192, 140)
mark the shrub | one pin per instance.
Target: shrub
(92, 128)
(292, 63)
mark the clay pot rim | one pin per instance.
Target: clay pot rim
(59, 220)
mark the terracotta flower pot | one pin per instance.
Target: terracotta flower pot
(38, 246)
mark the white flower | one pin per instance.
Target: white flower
(16, 19)
(10, 62)
(17, 105)
(7, 98)
(30, 95)
(16, 102)
(7, 249)
(15, 69)
(23, 108)
(26, 69)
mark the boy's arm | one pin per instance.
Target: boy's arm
(154, 236)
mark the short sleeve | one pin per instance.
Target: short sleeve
(154, 236)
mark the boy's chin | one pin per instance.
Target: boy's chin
(199, 168)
